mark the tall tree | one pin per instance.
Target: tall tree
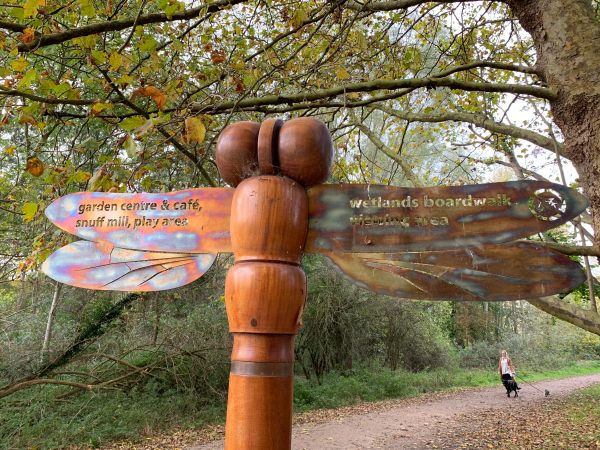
(130, 94)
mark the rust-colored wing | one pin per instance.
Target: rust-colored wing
(513, 271)
(386, 219)
(101, 266)
(190, 221)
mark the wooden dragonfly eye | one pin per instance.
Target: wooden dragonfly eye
(300, 149)
(305, 151)
(236, 152)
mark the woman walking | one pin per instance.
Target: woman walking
(506, 369)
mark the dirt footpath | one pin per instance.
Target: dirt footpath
(429, 421)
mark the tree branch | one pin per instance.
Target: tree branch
(118, 25)
(10, 26)
(491, 65)
(374, 85)
(481, 121)
(162, 131)
(47, 100)
(408, 173)
(574, 314)
(27, 384)
(391, 5)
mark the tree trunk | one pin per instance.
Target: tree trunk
(156, 328)
(50, 322)
(567, 41)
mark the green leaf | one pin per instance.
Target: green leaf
(125, 80)
(86, 8)
(300, 16)
(148, 44)
(99, 57)
(30, 8)
(29, 77)
(81, 176)
(61, 89)
(131, 123)
(115, 60)
(130, 147)
(29, 209)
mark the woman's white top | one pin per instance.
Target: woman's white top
(504, 365)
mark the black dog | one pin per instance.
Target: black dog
(510, 385)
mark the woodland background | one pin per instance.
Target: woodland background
(130, 95)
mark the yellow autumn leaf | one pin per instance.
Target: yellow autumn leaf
(29, 209)
(27, 118)
(19, 64)
(86, 8)
(30, 7)
(115, 60)
(10, 150)
(299, 17)
(97, 108)
(341, 73)
(194, 130)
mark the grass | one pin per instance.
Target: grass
(35, 419)
(577, 368)
(380, 384)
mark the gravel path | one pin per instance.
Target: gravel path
(414, 424)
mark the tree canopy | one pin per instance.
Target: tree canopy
(131, 95)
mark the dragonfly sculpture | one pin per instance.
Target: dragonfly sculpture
(442, 243)
(436, 243)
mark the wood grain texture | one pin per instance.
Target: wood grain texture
(265, 292)
(264, 297)
(256, 347)
(236, 152)
(268, 143)
(259, 413)
(305, 151)
(269, 220)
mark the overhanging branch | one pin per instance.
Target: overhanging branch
(574, 314)
(480, 121)
(47, 100)
(393, 5)
(116, 25)
(374, 85)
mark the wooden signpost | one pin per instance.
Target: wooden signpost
(444, 243)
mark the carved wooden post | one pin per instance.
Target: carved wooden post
(265, 290)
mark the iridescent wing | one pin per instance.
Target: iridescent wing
(139, 242)
(513, 271)
(101, 266)
(190, 221)
(386, 219)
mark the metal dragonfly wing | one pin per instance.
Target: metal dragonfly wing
(417, 243)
